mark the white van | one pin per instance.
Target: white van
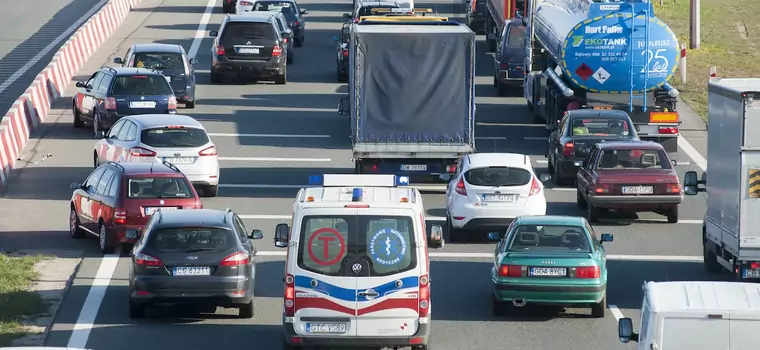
(356, 269)
(696, 316)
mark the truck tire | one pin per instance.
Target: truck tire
(709, 259)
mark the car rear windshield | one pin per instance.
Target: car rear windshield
(158, 187)
(159, 60)
(601, 127)
(331, 245)
(613, 159)
(274, 6)
(554, 238)
(141, 85)
(516, 38)
(367, 10)
(174, 137)
(498, 176)
(192, 239)
(235, 31)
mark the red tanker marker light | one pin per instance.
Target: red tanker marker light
(584, 72)
(326, 235)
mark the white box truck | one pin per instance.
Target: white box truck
(696, 316)
(731, 226)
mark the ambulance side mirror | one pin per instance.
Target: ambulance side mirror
(435, 238)
(281, 235)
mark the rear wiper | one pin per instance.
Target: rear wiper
(199, 250)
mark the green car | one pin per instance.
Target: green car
(550, 260)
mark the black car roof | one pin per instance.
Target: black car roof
(156, 48)
(606, 113)
(195, 218)
(648, 145)
(246, 18)
(130, 71)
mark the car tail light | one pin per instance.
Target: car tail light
(220, 50)
(172, 102)
(568, 149)
(210, 151)
(285, 40)
(512, 270)
(587, 272)
(110, 103)
(754, 265)
(356, 20)
(602, 188)
(424, 296)
(295, 24)
(236, 259)
(674, 188)
(120, 217)
(451, 168)
(669, 130)
(147, 260)
(460, 188)
(503, 65)
(290, 296)
(345, 53)
(276, 51)
(535, 187)
(141, 152)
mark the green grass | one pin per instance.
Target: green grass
(730, 41)
(16, 276)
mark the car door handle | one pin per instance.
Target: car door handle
(368, 294)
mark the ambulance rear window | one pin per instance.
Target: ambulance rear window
(332, 245)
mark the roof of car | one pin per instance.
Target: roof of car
(247, 17)
(132, 70)
(159, 120)
(157, 48)
(378, 3)
(194, 217)
(649, 145)
(488, 159)
(606, 113)
(144, 168)
(549, 220)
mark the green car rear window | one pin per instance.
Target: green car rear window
(550, 239)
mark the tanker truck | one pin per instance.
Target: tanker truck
(602, 55)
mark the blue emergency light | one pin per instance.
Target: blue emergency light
(352, 180)
(357, 195)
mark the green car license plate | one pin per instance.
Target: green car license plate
(548, 271)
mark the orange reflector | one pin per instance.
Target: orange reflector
(309, 199)
(404, 200)
(663, 117)
(603, 108)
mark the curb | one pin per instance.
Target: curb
(32, 108)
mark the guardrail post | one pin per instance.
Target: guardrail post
(713, 72)
(682, 64)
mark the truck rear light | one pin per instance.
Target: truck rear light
(119, 217)
(754, 265)
(424, 296)
(290, 296)
(668, 130)
(276, 51)
(147, 260)
(568, 149)
(141, 152)
(236, 259)
(602, 188)
(209, 151)
(535, 187)
(172, 102)
(460, 187)
(587, 272)
(512, 271)
(110, 103)
(220, 50)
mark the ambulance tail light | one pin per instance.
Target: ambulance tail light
(290, 296)
(423, 297)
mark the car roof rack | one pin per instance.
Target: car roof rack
(118, 166)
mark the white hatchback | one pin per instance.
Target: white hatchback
(488, 190)
(173, 138)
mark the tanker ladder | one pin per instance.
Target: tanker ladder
(639, 58)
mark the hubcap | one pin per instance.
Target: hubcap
(102, 237)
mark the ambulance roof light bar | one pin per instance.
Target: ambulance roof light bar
(352, 180)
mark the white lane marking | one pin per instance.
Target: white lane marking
(200, 34)
(271, 136)
(535, 138)
(490, 138)
(692, 153)
(615, 312)
(653, 258)
(276, 159)
(86, 320)
(46, 50)
(288, 217)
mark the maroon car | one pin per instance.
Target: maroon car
(636, 176)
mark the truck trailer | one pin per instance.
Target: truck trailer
(602, 55)
(731, 225)
(411, 97)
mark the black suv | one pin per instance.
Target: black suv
(111, 93)
(343, 43)
(476, 16)
(248, 47)
(509, 71)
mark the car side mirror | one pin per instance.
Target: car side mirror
(336, 38)
(90, 189)
(80, 84)
(691, 184)
(638, 128)
(256, 234)
(193, 61)
(100, 134)
(625, 331)
(304, 12)
(347, 15)
(494, 236)
(75, 185)
(445, 177)
(435, 239)
(281, 235)
(343, 106)
(606, 237)
(118, 60)
(213, 33)
(544, 177)
(674, 162)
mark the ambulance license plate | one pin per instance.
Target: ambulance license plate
(325, 328)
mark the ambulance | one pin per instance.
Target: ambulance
(357, 265)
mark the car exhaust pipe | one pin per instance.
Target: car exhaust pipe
(518, 302)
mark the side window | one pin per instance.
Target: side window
(131, 132)
(276, 29)
(116, 129)
(503, 242)
(589, 161)
(103, 182)
(124, 130)
(240, 228)
(95, 178)
(128, 57)
(104, 83)
(113, 188)
(503, 37)
(92, 78)
(98, 79)
(591, 232)
(563, 125)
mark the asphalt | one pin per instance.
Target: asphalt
(32, 31)
(36, 204)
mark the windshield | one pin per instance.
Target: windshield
(174, 137)
(330, 245)
(498, 176)
(612, 159)
(604, 127)
(247, 30)
(159, 187)
(550, 239)
(516, 38)
(141, 85)
(160, 61)
(191, 239)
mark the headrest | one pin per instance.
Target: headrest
(648, 160)
(527, 238)
(571, 236)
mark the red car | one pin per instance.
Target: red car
(637, 176)
(116, 201)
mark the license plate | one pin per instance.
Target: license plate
(749, 273)
(326, 328)
(181, 160)
(548, 271)
(153, 210)
(142, 104)
(253, 50)
(192, 271)
(498, 197)
(638, 189)
(414, 167)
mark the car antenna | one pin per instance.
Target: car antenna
(151, 167)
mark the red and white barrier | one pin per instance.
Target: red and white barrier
(29, 110)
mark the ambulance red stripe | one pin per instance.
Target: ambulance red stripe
(326, 304)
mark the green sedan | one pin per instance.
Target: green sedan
(550, 260)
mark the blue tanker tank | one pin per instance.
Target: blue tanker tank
(601, 48)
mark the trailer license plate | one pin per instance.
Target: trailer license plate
(638, 189)
(414, 167)
(548, 271)
(749, 273)
(326, 328)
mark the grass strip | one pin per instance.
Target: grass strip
(16, 302)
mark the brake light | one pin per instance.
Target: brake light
(172, 102)
(175, 127)
(345, 53)
(276, 51)
(424, 296)
(503, 65)
(139, 77)
(355, 206)
(460, 188)
(568, 149)
(290, 296)
(674, 188)
(295, 24)
(220, 50)
(512, 270)
(587, 272)
(535, 187)
(210, 151)
(603, 188)
(147, 260)
(668, 130)
(754, 265)
(636, 153)
(451, 168)
(141, 152)
(119, 217)
(110, 103)
(236, 259)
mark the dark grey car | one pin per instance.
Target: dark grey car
(509, 70)
(194, 256)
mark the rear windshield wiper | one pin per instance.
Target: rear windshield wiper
(199, 250)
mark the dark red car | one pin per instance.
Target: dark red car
(115, 202)
(636, 176)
